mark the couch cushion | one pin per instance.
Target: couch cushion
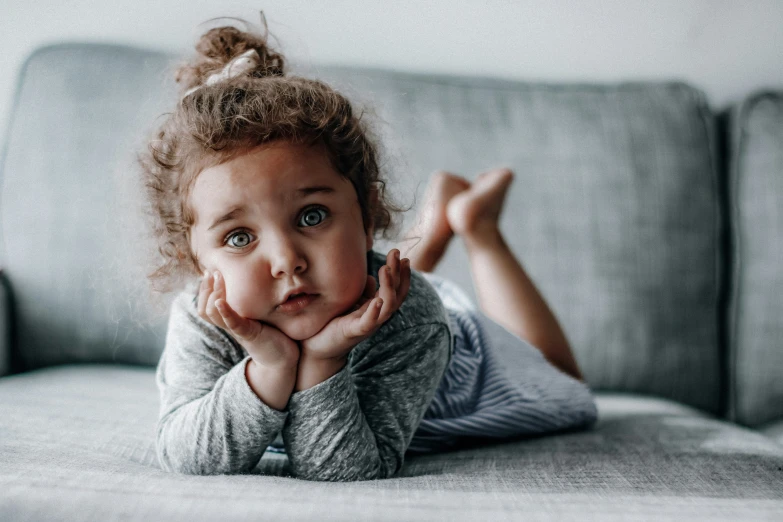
(613, 212)
(756, 300)
(78, 443)
(773, 430)
(73, 247)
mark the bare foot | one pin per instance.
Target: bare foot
(475, 212)
(431, 233)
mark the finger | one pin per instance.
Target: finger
(210, 313)
(217, 293)
(390, 257)
(205, 288)
(368, 321)
(350, 324)
(395, 269)
(213, 316)
(388, 294)
(239, 326)
(371, 315)
(405, 280)
(390, 262)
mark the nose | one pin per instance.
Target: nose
(285, 257)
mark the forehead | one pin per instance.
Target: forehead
(274, 172)
(275, 164)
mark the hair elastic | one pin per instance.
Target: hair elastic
(238, 65)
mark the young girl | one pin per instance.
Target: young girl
(292, 334)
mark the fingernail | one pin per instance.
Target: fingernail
(217, 275)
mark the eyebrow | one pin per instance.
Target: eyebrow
(239, 210)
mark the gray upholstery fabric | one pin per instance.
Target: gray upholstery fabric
(756, 305)
(774, 431)
(5, 326)
(613, 213)
(78, 444)
(71, 230)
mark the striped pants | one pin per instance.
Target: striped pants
(497, 386)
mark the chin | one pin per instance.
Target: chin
(299, 330)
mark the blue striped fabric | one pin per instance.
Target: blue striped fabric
(479, 399)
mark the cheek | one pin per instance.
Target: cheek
(349, 266)
(243, 293)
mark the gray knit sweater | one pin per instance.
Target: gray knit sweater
(356, 425)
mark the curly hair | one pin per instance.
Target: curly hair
(215, 121)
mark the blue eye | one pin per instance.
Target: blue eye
(312, 216)
(240, 244)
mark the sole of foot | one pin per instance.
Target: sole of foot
(476, 211)
(432, 226)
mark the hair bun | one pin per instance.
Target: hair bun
(218, 46)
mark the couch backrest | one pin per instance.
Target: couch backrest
(71, 235)
(614, 212)
(755, 318)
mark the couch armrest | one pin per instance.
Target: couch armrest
(5, 325)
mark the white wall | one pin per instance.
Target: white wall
(725, 47)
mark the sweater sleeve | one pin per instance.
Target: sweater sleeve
(357, 424)
(211, 421)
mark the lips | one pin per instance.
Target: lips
(294, 292)
(296, 302)
(293, 297)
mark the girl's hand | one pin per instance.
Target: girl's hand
(344, 332)
(266, 344)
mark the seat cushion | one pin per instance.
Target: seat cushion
(773, 430)
(755, 302)
(78, 442)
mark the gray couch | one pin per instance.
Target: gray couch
(651, 224)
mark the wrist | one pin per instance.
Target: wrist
(273, 385)
(276, 361)
(314, 370)
(276, 366)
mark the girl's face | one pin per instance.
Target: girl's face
(279, 219)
